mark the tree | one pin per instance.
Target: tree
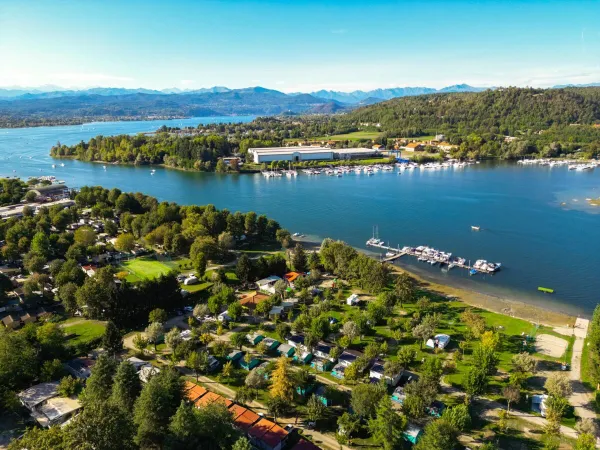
(227, 370)
(125, 242)
(404, 288)
(284, 238)
(351, 372)
(299, 260)
(245, 395)
(235, 310)
(475, 381)
(524, 363)
(255, 380)
(406, 356)
(243, 269)
(40, 244)
(485, 358)
(54, 438)
(69, 386)
(555, 410)
(221, 348)
(365, 397)
(587, 426)
(51, 370)
(423, 304)
(387, 425)
(103, 426)
(173, 338)
(238, 339)
(157, 402)
(315, 409)
(458, 416)
(423, 331)
(197, 361)
(512, 394)
(263, 307)
(200, 311)
(112, 341)
(85, 236)
(348, 424)
(283, 330)
(154, 333)
(280, 288)
(140, 342)
(558, 385)
(66, 294)
(351, 330)
(199, 262)
(438, 435)
(157, 315)
(585, 441)
(99, 385)
(276, 406)
(242, 444)
(281, 386)
(126, 386)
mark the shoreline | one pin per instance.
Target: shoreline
(497, 304)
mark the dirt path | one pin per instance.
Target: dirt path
(581, 398)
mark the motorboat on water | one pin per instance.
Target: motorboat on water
(475, 228)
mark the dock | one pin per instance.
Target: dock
(433, 257)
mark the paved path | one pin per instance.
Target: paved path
(581, 399)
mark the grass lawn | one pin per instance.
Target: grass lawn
(146, 268)
(191, 288)
(84, 332)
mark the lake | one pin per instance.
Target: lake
(534, 220)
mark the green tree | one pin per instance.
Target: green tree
(558, 385)
(126, 386)
(99, 385)
(365, 397)
(157, 315)
(173, 338)
(387, 425)
(69, 386)
(200, 264)
(475, 381)
(198, 362)
(85, 236)
(404, 288)
(585, 441)
(125, 242)
(299, 259)
(458, 416)
(347, 425)
(242, 444)
(238, 339)
(112, 340)
(438, 435)
(406, 356)
(54, 438)
(512, 394)
(154, 333)
(243, 269)
(40, 245)
(315, 409)
(140, 342)
(235, 310)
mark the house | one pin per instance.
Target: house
(414, 147)
(193, 392)
(445, 146)
(249, 365)
(37, 395)
(56, 411)
(267, 435)
(90, 270)
(243, 418)
(137, 363)
(323, 349)
(276, 311)
(231, 159)
(412, 433)
(51, 192)
(12, 321)
(289, 304)
(80, 367)
(251, 300)
(224, 317)
(439, 341)
(254, 338)
(352, 300)
(296, 341)
(271, 343)
(398, 395)
(268, 284)
(28, 318)
(235, 355)
(323, 396)
(213, 363)
(349, 356)
(303, 357)
(285, 349)
(321, 364)
(147, 371)
(436, 409)
(290, 277)
(377, 372)
(538, 404)
(210, 398)
(338, 371)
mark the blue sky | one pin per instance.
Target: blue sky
(298, 45)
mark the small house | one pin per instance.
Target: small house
(254, 338)
(12, 321)
(438, 341)
(136, 362)
(412, 433)
(348, 357)
(249, 365)
(276, 311)
(323, 396)
(146, 372)
(338, 371)
(224, 317)
(323, 349)
(268, 284)
(186, 335)
(243, 418)
(251, 300)
(290, 277)
(235, 355)
(377, 372)
(56, 411)
(303, 444)
(28, 318)
(37, 395)
(190, 280)
(413, 147)
(213, 363)
(399, 395)
(352, 300)
(90, 270)
(193, 391)
(80, 367)
(296, 341)
(321, 364)
(303, 358)
(286, 350)
(267, 435)
(436, 409)
(538, 404)
(271, 343)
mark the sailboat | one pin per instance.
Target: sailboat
(475, 228)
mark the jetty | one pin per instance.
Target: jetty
(433, 257)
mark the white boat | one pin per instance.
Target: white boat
(62, 164)
(104, 167)
(475, 228)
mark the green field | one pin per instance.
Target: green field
(84, 331)
(145, 268)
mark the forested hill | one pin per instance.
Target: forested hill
(502, 111)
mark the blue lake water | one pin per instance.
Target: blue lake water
(539, 240)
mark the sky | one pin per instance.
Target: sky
(298, 45)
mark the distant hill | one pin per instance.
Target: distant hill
(501, 111)
(248, 101)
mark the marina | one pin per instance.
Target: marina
(434, 257)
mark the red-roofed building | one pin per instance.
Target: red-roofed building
(243, 418)
(267, 435)
(206, 399)
(193, 392)
(290, 277)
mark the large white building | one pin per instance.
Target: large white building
(297, 154)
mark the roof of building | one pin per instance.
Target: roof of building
(284, 348)
(324, 347)
(81, 365)
(303, 444)
(243, 418)
(291, 276)
(377, 367)
(274, 436)
(38, 394)
(11, 318)
(414, 145)
(58, 407)
(253, 299)
(297, 339)
(193, 392)
(260, 428)
(299, 149)
(52, 188)
(350, 355)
